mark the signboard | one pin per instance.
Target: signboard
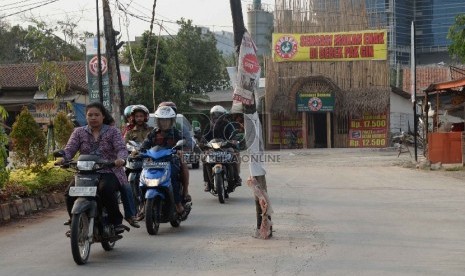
(92, 72)
(45, 112)
(338, 46)
(369, 131)
(286, 131)
(315, 102)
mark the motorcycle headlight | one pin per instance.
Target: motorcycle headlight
(85, 165)
(153, 182)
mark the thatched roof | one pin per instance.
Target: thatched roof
(354, 101)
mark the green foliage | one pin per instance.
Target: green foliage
(4, 173)
(52, 79)
(188, 64)
(39, 42)
(28, 140)
(62, 127)
(28, 182)
(457, 36)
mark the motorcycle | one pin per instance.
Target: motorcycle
(89, 223)
(192, 155)
(220, 157)
(134, 167)
(156, 183)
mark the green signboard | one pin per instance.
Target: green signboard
(315, 101)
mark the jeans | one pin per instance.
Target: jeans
(127, 198)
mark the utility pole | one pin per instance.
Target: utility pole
(116, 87)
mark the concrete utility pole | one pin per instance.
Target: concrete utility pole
(116, 86)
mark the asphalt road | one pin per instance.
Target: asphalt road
(336, 212)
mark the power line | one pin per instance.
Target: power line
(35, 7)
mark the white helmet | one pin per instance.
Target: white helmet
(218, 109)
(165, 112)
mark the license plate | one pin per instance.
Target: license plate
(155, 165)
(82, 191)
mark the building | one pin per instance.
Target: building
(432, 21)
(19, 87)
(260, 26)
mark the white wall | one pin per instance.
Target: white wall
(401, 114)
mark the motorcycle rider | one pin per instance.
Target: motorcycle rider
(129, 119)
(166, 135)
(220, 128)
(140, 115)
(186, 135)
(99, 137)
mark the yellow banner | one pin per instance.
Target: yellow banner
(340, 46)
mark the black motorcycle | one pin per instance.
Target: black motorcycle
(89, 223)
(133, 170)
(220, 159)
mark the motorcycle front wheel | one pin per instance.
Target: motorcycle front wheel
(153, 215)
(80, 243)
(219, 186)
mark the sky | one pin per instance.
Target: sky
(214, 14)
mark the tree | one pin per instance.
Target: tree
(194, 60)
(62, 127)
(28, 140)
(4, 174)
(457, 36)
(188, 64)
(38, 42)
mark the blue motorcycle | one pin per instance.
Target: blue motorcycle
(156, 182)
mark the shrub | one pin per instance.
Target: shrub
(62, 127)
(26, 182)
(3, 156)
(28, 140)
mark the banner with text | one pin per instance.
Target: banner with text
(92, 72)
(338, 46)
(369, 131)
(315, 102)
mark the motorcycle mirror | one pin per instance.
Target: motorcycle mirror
(58, 153)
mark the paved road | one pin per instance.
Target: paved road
(337, 212)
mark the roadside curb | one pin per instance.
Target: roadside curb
(25, 206)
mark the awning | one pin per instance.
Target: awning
(460, 83)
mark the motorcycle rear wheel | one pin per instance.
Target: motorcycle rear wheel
(153, 215)
(80, 243)
(219, 186)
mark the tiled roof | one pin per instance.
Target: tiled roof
(24, 74)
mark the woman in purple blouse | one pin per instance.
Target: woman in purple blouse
(100, 138)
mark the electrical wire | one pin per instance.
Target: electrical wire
(35, 7)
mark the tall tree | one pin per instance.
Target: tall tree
(187, 64)
(194, 60)
(457, 36)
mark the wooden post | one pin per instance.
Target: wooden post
(305, 130)
(328, 129)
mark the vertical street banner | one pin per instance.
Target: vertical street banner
(92, 72)
(247, 78)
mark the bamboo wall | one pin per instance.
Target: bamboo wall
(305, 16)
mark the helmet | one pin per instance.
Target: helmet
(165, 112)
(142, 108)
(128, 111)
(217, 111)
(170, 104)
